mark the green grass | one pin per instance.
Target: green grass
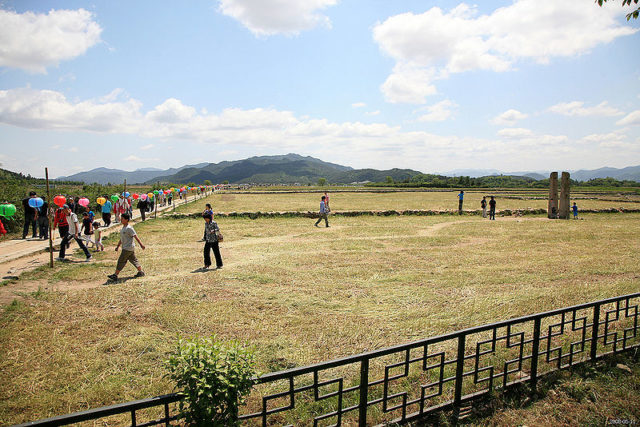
(298, 293)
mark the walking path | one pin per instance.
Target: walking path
(11, 250)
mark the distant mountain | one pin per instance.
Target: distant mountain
(116, 176)
(631, 173)
(293, 168)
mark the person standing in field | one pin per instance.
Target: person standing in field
(323, 212)
(127, 234)
(106, 211)
(211, 231)
(208, 210)
(574, 208)
(492, 208)
(30, 216)
(483, 205)
(326, 202)
(460, 199)
(73, 228)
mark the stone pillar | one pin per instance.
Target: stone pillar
(552, 211)
(565, 197)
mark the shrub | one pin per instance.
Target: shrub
(213, 377)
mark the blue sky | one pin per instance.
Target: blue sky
(428, 85)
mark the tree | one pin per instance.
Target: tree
(191, 184)
(322, 182)
(207, 182)
(389, 180)
(633, 14)
(225, 182)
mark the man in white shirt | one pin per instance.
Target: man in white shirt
(127, 235)
(72, 220)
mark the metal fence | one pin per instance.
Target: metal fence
(408, 382)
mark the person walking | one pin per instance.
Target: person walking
(106, 211)
(492, 208)
(323, 212)
(326, 201)
(574, 208)
(483, 205)
(211, 238)
(142, 206)
(73, 228)
(127, 235)
(460, 199)
(30, 216)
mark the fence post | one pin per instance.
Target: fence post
(535, 351)
(364, 389)
(594, 331)
(457, 398)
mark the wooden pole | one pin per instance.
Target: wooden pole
(46, 174)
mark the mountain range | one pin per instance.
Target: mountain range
(294, 168)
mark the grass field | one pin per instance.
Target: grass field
(429, 200)
(298, 293)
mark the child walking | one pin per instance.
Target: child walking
(87, 229)
(127, 234)
(211, 231)
(97, 234)
(574, 208)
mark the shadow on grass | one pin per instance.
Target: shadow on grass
(119, 280)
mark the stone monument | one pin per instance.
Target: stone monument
(552, 212)
(565, 197)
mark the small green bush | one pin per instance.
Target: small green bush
(214, 377)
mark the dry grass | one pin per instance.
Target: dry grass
(430, 200)
(298, 293)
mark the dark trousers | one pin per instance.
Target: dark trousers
(106, 218)
(66, 239)
(29, 220)
(43, 226)
(492, 213)
(460, 207)
(142, 212)
(326, 220)
(216, 252)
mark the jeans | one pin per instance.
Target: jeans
(29, 220)
(142, 213)
(43, 225)
(460, 207)
(216, 252)
(67, 238)
(106, 217)
(492, 213)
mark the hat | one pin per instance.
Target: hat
(65, 206)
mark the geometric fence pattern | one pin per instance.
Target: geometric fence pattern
(407, 382)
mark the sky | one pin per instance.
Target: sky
(431, 85)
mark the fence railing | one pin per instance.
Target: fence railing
(410, 381)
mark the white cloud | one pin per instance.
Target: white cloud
(147, 147)
(73, 149)
(632, 118)
(46, 109)
(461, 40)
(439, 112)
(358, 105)
(577, 108)
(268, 17)
(515, 133)
(604, 137)
(33, 41)
(509, 117)
(373, 113)
(409, 84)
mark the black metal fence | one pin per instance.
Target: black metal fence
(408, 382)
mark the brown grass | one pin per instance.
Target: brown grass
(299, 294)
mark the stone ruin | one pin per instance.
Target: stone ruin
(559, 207)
